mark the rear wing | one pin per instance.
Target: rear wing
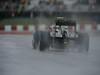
(70, 23)
(65, 23)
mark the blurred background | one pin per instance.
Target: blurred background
(26, 11)
(17, 56)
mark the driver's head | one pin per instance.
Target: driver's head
(60, 21)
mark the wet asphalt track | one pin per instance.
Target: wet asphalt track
(18, 58)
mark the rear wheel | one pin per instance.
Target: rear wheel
(44, 40)
(40, 40)
(82, 42)
(35, 41)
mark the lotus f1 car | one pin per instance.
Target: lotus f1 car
(61, 36)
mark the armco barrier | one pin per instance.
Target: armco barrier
(13, 28)
(26, 28)
(31, 28)
(16, 29)
(88, 27)
(2, 28)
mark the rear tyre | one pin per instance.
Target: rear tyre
(82, 42)
(44, 40)
(35, 41)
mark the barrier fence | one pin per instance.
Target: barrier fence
(31, 28)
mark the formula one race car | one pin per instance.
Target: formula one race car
(61, 36)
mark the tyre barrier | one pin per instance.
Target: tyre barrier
(30, 28)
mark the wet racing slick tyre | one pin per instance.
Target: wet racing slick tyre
(40, 40)
(35, 41)
(44, 40)
(82, 42)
